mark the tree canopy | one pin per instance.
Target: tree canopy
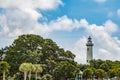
(101, 69)
(30, 48)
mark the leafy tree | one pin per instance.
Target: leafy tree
(34, 49)
(65, 70)
(25, 67)
(118, 73)
(84, 66)
(100, 73)
(111, 73)
(4, 66)
(38, 69)
(19, 51)
(116, 65)
(30, 55)
(96, 63)
(109, 63)
(51, 64)
(105, 66)
(88, 73)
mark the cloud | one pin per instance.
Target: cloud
(30, 4)
(80, 50)
(21, 16)
(67, 24)
(100, 1)
(110, 27)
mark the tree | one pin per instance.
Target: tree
(34, 49)
(38, 69)
(30, 70)
(88, 73)
(19, 51)
(100, 73)
(30, 55)
(65, 70)
(118, 73)
(109, 63)
(84, 66)
(96, 63)
(111, 73)
(4, 66)
(105, 66)
(25, 67)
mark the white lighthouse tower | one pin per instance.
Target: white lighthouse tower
(89, 50)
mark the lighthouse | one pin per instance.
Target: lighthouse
(89, 50)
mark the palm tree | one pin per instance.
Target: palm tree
(38, 69)
(31, 68)
(4, 66)
(25, 67)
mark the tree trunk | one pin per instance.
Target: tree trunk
(36, 75)
(4, 75)
(29, 76)
(25, 75)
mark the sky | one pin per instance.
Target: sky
(66, 22)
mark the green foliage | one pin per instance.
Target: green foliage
(4, 66)
(30, 48)
(24, 49)
(47, 77)
(118, 72)
(100, 73)
(30, 68)
(108, 68)
(25, 67)
(84, 66)
(105, 66)
(37, 68)
(111, 73)
(65, 70)
(88, 73)
(96, 63)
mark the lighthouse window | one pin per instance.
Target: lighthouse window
(87, 60)
(87, 49)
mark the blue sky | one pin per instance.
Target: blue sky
(67, 22)
(89, 9)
